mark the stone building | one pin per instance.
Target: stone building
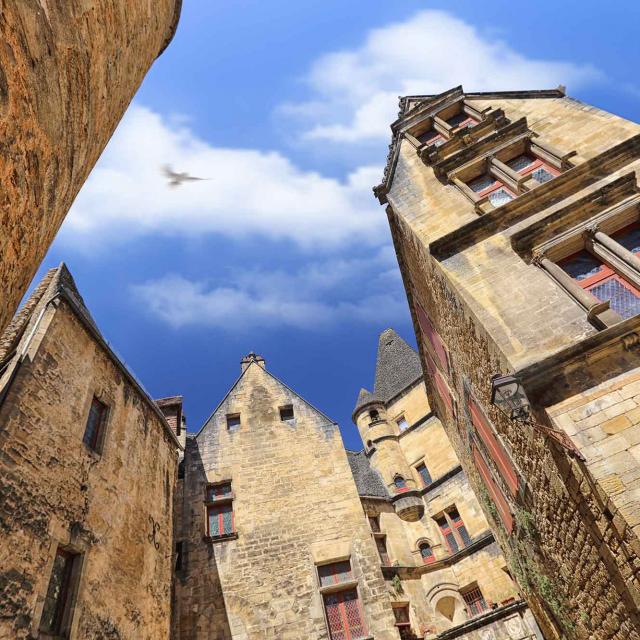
(272, 539)
(515, 221)
(445, 573)
(88, 466)
(68, 71)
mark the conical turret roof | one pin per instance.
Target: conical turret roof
(397, 366)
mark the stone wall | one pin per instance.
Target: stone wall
(55, 491)
(68, 71)
(295, 506)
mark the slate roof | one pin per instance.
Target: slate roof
(365, 397)
(397, 366)
(368, 480)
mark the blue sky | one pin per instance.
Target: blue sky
(284, 107)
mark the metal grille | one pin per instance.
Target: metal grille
(542, 175)
(220, 520)
(499, 197)
(334, 573)
(520, 162)
(481, 183)
(475, 601)
(344, 615)
(622, 300)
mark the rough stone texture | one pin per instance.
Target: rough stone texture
(433, 592)
(295, 505)
(55, 491)
(68, 70)
(574, 549)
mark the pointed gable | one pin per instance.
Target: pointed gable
(397, 366)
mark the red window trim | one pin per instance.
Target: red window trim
(346, 627)
(334, 572)
(494, 447)
(426, 559)
(441, 386)
(440, 350)
(605, 274)
(220, 509)
(494, 490)
(537, 164)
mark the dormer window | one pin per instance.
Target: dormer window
(528, 165)
(462, 120)
(432, 138)
(490, 187)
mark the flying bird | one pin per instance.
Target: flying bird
(176, 179)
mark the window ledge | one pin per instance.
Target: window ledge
(339, 586)
(222, 538)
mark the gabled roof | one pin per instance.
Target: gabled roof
(254, 363)
(368, 481)
(61, 285)
(414, 108)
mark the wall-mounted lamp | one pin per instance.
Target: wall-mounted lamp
(508, 395)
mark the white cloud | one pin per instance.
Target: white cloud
(355, 91)
(315, 297)
(246, 192)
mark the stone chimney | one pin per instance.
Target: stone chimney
(252, 357)
(172, 410)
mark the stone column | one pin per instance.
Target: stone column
(68, 71)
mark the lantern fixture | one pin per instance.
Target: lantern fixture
(507, 393)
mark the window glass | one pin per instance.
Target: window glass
(629, 238)
(520, 162)
(95, 424)
(334, 573)
(481, 183)
(400, 482)
(220, 518)
(424, 474)
(500, 197)
(542, 175)
(426, 553)
(622, 299)
(233, 421)
(475, 601)
(344, 615)
(461, 120)
(402, 423)
(581, 265)
(56, 600)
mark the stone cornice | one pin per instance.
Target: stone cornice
(537, 199)
(482, 620)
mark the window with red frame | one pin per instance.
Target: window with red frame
(94, 430)
(57, 600)
(629, 237)
(494, 447)
(495, 190)
(342, 606)
(381, 544)
(528, 165)
(593, 275)
(424, 474)
(432, 138)
(400, 484)
(494, 490)
(475, 601)
(220, 515)
(461, 120)
(441, 386)
(438, 348)
(453, 530)
(426, 553)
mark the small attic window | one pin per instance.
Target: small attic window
(233, 421)
(374, 415)
(286, 413)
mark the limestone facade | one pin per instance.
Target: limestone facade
(445, 573)
(270, 510)
(68, 71)
(514, 217)
(88, 467)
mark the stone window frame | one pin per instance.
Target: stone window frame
(353, 584)
(494, 164)
(403, 605)
(400, 488)
(230, 421)
(285, 408)
(101, 395)
(452, 528)
(437, 122)
(472, 594)
(420, 480)
(430, 559)
(400, 418)
(226, 499)
(79, 548)
(594, 236)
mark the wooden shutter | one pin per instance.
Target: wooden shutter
(441, 386)
(494, 447)
(495, 492)
(437, 346)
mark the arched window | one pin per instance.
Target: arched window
(426, 553)
(400, 484)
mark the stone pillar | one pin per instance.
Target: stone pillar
(68, 71)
